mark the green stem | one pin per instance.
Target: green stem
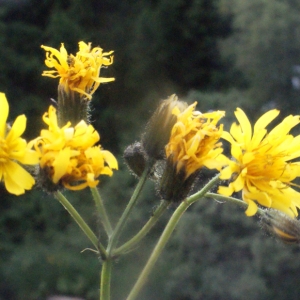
(158, 249)
(102, 211)
(120, 225)
(166, 236)
(236, 201)
(105, 280)
(144, 231)
(81, 223)
(204, 190)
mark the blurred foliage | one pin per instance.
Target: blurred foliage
(265, 47)
(221, 53)
(178, 39)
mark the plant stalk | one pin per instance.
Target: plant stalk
(236, 201)
(129, 245)
(121, 223)
(105, 280)
(102, 211)
(81, 223)
(164, 238)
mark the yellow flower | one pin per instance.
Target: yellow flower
(261, 166)
(69, 155)
(194, 141)
(14, 150)
(80, 73)
(194, 144)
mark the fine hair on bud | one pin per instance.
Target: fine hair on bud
(135, 158)
(174, 185)
(281, 226)
(44, 180)
(158, 129)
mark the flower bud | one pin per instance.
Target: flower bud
(159, 127)
(134, 156)
(282, 226)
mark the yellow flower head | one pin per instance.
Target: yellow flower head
(80, 73)
(194, 141)
(194, 144)
(261, 166)
(14, 150)
(69, 155)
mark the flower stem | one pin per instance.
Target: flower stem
(236, 201)
(164, 238)
(81, 223)
(102, 211)
(204, 190)
(157, 250)
(105, 280)
(120, 225)
(144, 231)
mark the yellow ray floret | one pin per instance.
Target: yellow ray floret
(194, 141)
(13, 151)
(80, 73)
(261, 165)
(69, 154)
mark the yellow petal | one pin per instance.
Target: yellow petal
(256, 139)
(225, 190)
(60, 55)
(252, 208)
(239, 183)
(30, 157)
(228, 137)
(61, 163)
(227, 172)
(63, 52)
(4, 109)
(265, 120)
(16, 179)
(17, 128)
(248, 157)
(245, 124)
(285, 126)
(214, 163)
(236, 151)
(110, 159)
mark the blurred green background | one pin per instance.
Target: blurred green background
(222, 53)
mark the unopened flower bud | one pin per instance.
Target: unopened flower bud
(134, 156)
(282, 226)
(159, 127)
